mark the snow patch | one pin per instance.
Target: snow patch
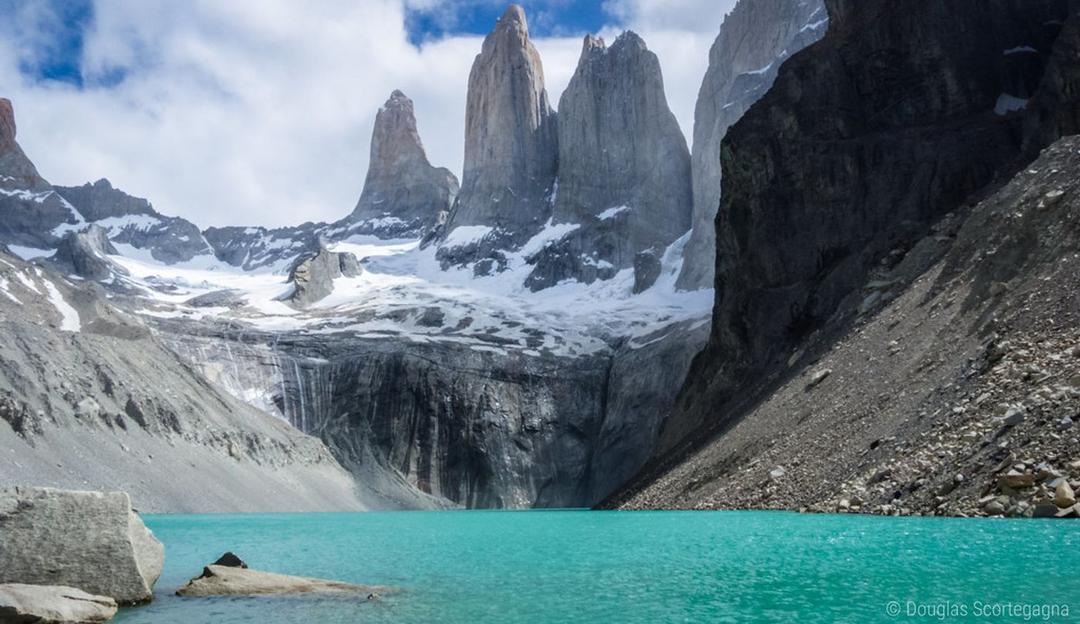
(29, 253)
(611, 213)
(69, 317)
(465, 235)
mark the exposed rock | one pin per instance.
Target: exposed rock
(403, 194)
(83, 254)
(1064, 495)
(624, 168)
(817, 377)
(53, 604)
(219, 580)
(756, 38)
(511, 144)
(230, 560)
(314, 277)
(647, 267)
(90, 540)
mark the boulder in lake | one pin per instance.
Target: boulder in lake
(220, 580)
(90, 540)
(53, 604)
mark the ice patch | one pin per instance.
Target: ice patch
(611, 213)
(29, 253)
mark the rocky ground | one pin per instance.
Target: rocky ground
(954, 391)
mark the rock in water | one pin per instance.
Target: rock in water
(53, 604)
(624, 168)
(755, 40)
(511, 145)
(403, 194)
(217, 580)
(314, 277)
(90, 540)
(230, 560)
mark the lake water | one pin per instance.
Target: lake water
(580, 566)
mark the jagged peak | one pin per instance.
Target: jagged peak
(103, 183)
(514, 14)
(629, 39)
(512, 26)
(594, 42)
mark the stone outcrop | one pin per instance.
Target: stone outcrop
(511, 145)
(403, 194)
(90, 540)
(624, 168)
(133, 221)
(314, 277)
(83, 254)
(756, 38)
(51, 604)
(219, 580)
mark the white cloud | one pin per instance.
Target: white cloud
(260, 111)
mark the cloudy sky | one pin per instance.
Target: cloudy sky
(259, 112)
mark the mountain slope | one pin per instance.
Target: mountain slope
(841, 187)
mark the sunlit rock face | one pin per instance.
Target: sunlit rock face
(404, 196)
(511, 145)
(624, 168)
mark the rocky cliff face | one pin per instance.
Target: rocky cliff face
(624, 168)
(511, 146)
(487, 428)
(840, 186)
(403, 195)
(756, 38)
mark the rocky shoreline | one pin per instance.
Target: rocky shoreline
(74, 557)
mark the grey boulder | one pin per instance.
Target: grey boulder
(314, 277)
(52, 604)
(90, 540)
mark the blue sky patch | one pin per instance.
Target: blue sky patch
(547, 18)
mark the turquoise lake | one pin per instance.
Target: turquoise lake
(582, 566)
